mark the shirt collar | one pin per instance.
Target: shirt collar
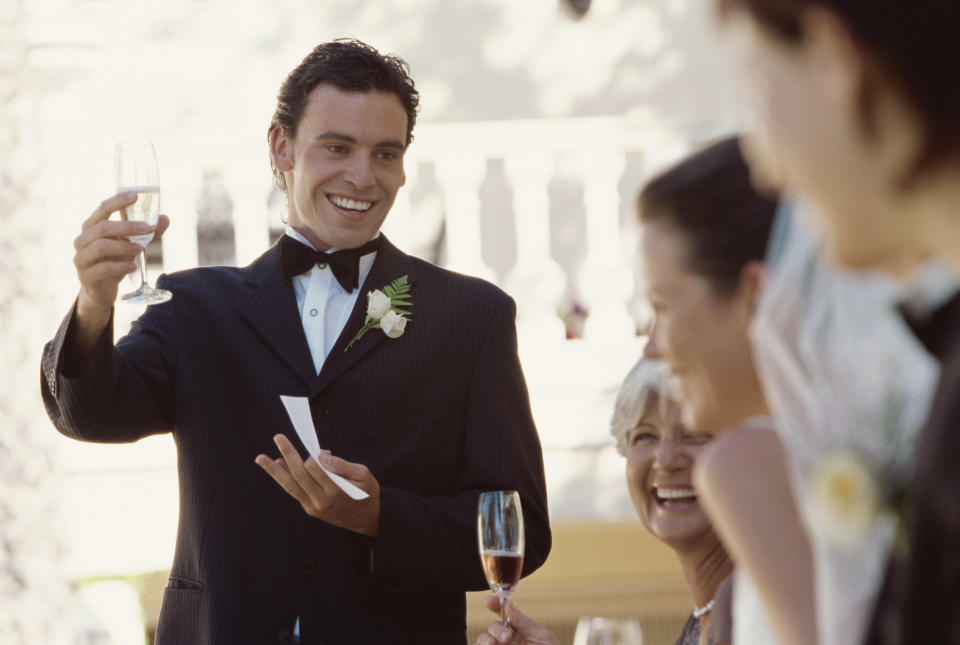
(298, 236)
(366, 261)
(928, 288)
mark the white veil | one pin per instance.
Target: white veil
(840, 370)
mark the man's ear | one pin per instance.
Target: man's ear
(841, 61)
(281, 149)
(752, 278)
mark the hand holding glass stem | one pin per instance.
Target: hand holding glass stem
(137, 171)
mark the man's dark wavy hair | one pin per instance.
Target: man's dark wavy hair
(349, 65)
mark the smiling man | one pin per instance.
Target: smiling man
(422, 413)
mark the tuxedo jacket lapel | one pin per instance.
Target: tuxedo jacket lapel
(391, 263)
(271, 309)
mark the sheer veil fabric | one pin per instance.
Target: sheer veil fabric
(750, 623)
(841, 371)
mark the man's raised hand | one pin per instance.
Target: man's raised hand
(104, 255)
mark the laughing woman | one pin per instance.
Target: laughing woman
(660, 455)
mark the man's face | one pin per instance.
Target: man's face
(345, 165)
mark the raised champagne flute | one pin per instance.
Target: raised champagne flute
(500, 540)
(597, 630)
(137, 171)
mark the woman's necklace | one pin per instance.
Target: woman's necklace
(699, 612)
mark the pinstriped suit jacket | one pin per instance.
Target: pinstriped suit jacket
(438, 415)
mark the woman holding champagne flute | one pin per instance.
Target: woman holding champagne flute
(660, 455)
(501, 542)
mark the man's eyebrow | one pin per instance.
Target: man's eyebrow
(338, 136)
(330, 134)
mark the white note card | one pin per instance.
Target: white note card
(298, 407)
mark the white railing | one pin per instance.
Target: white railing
(460, 154)
(572, 383)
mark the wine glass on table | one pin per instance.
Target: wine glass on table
(500, 538)
(137, 171)
(597, 630)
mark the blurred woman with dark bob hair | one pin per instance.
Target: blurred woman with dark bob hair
(857, 107)
(704, 232)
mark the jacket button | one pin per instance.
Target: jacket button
(308, 567)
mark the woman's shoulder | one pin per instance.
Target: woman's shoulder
(734, 454)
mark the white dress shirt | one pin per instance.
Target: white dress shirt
(324, 307)
(323, 304)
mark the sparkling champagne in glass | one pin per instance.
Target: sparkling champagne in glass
(137, 171)
(500, 539)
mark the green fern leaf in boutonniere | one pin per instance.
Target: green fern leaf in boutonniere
(389, 308)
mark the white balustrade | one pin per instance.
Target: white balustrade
(180, 185)
(663, 149)
(536, 281)
(249, 186)
(461, 172)
(402, 226)
(606, 282)
(460, 153)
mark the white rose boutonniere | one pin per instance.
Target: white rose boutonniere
(846, 497)
(378, 304)
(853, 489)
(393, 324)
(389, 309)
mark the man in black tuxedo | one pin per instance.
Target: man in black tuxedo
(422, 419)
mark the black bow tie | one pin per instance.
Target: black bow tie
(297, 258)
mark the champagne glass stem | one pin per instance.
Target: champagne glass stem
(142, 265)
(503, 610)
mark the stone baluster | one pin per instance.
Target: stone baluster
(606, 282)
(536, 281)
(180, 184)
(401, 225)
(460, 175)
(662, 151)
(248, 183)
